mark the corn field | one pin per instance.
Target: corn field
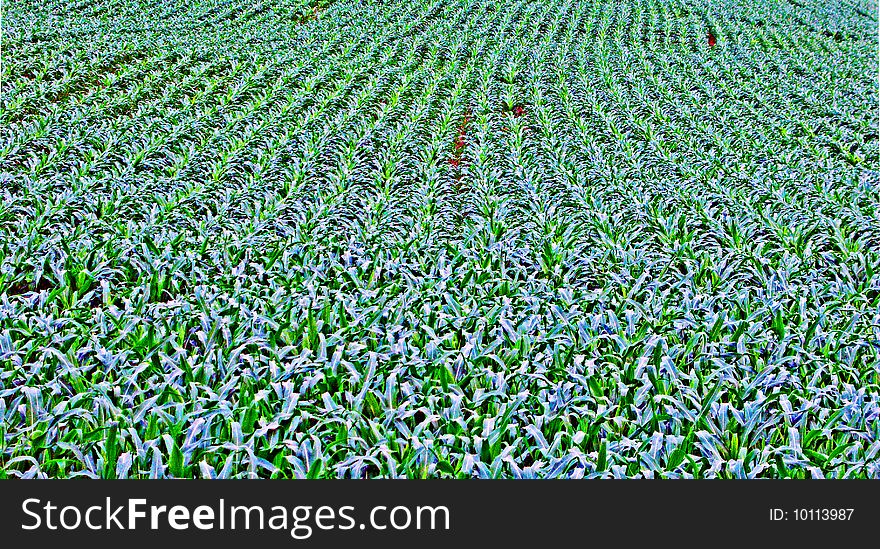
(440, 238)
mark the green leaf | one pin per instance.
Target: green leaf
(175, 463)
(601, 462)
(111, 451)
(315, 470)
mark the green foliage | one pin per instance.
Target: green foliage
(441, 238)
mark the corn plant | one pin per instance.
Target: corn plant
(439, 238)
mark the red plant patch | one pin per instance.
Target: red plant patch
(712, 40)
(518, 111)
(460, 141)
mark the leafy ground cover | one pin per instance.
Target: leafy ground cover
(440, 238)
